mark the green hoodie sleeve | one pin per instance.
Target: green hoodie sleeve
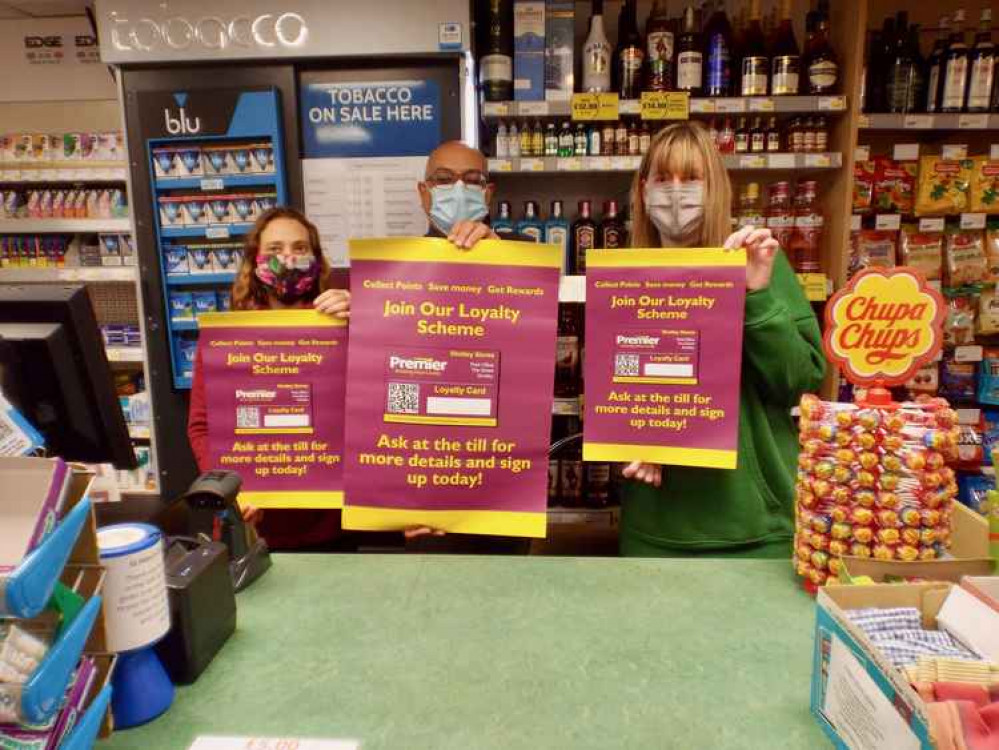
(782, 343)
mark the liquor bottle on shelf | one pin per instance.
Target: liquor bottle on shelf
(749, 206)
(807, 237)
(557, 233)
(755, 63)
(611, 234)
(780, 216)
(689, 57)
(982, 65)
(503, 224)
(551, 140)
(821, 65)
(501, 148)
(567, 352)
(607, 139)
(742, 137)
(597, 54)
(584, 237)
(726, 137)
(955, 83)
(757, 137)
(538, 139)
(785, 73)
(496, 65)
(659, 49)
(526, 140)
(713, 131)
(593, 141)
(513, 141)
(621, 139)
(579, 140)
(878, 62)
(633, 143)
(630, 58)
(796, 136)
(935, 66)
(566, 144)
(644, 138)
(821, 134)
(597, 482)
(530, 225)
(773, 136)
(905, 74)
(808, 135)
(718, 54)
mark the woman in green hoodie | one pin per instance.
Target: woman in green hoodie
(682, 197)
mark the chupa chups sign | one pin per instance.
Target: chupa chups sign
(883, 326)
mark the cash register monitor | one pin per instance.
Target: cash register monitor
(53, 369)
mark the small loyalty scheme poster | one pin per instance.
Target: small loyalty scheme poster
(663, 355)
(275, 383)
(449, 389)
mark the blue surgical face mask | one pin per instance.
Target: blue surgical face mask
(456, 202)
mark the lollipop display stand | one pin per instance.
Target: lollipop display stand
(58, 584)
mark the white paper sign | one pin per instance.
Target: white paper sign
(889, 222)
(271, 743)
(931, 224)
(972, 221)
(955, 151)
(862, 715)
(369, 197)
(905, 151)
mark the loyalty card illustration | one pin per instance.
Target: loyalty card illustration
(284, 408)
(442, 386)
(668, 356)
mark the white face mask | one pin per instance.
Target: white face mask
(677, 211)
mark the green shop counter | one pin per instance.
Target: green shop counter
(411, 651)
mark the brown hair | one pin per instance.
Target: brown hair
(684, 149)
(248, 292)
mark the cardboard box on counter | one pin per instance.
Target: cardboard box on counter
(858, 698)
(969, 550)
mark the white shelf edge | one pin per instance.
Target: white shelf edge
(77, 274)
(50, 226)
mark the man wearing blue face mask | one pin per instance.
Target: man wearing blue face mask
(456, 193)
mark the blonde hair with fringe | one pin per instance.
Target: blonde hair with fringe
(685, 150)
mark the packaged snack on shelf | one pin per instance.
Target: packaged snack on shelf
(22, 147)
(922, 251)
(957, 380)
(165, 162)
(220, 210)
(988, 377)
(225, 259)
(943, 186)
(984, 189)
(45, 204)
(244, 208)
(200, 259)
(966, 263)
(863, 186)
(7, 147)
(205, 302)
(93, 204)
(119, 206)
(107, 146)
(196, 210)
(992, 251)
(59, 204)
(171, 212)
(176, 260)
(80, 204)
(127, 250)
(110, 249)
(71, 146)
(90, 253)
(872, 482)
(186, 351)
(926, 382)
(262, 155)
(39, 147)
(875, 249)
(894, 185)
(990, 433)
(240, 160)
(988, 312)
(970, 451)
(181, 306)
(216, 160)
(189, 161)
(973, 489)
(224, 301)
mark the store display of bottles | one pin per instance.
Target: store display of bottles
(953, 77)
(64, 204)
(797, 224)
(713, 57)
(60, 148)
(583, 234)
(743, 136)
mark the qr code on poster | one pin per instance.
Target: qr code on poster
(626, 365)
(403, 398)
(247, 417)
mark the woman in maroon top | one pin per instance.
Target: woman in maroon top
(283, 267)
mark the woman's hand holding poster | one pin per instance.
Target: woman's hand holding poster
(663, 355)
(274, 385)
(449, 394)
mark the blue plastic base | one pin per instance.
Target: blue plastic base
(142, 689)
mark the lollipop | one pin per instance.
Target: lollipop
(908, 553)
(863, 534)
(860, 550)
(883, 552)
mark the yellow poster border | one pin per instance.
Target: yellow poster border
(434, 250)
(494, 522)
(312, 500)
(270, 319)
(710, 458)
(669, 256)
(449, 421)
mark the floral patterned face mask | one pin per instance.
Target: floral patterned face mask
(289, 280)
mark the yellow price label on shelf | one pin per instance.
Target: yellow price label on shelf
(665, 105)
(815, 285)
(594, 106)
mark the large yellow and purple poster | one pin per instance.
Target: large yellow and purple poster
(664, 355)
(274, 388)
(449, 388)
